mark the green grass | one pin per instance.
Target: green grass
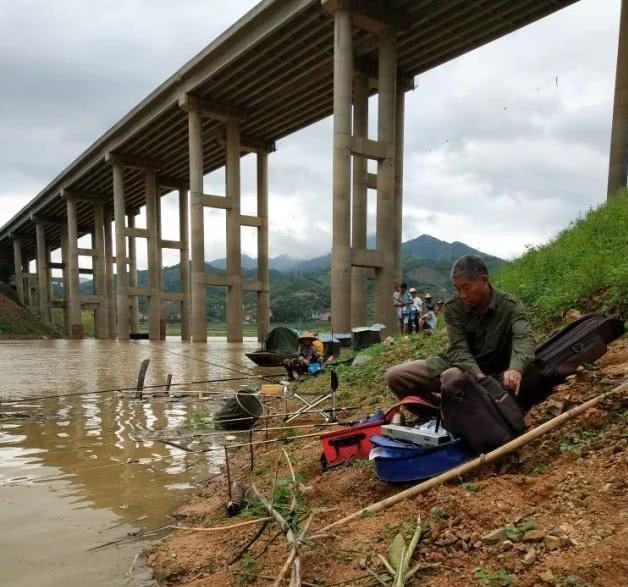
(584, 267)
(491, 578)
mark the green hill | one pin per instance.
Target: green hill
(18, 322)
(584, 267)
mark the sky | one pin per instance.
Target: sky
(503, 146)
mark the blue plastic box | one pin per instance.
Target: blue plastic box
(398, 461)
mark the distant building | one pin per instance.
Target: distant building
(322, 315)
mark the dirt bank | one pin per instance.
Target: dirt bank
(569, 486)
(17, 322)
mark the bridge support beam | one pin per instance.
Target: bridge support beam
(109, 276)
(398, 205)
(122, 294)
(42, 272)
(154, 254)
(134, 311)
(19, 269)
(618, 160)
(232, 189)
(341, 185)
(101, 320)
(386, 124)
(359, 200)
(73, 289)
(184, 266)
(263, 295)
(198, 282)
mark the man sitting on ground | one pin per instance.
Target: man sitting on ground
(306, 354)
(488, 332)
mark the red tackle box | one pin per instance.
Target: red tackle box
(354, 442)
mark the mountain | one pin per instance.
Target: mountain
(300, 287)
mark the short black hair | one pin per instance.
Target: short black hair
(404, 285)
(469, 266)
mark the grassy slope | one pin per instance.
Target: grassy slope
(16, 322)
(585, 267)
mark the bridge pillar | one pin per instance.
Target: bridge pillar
(341, 185)
(386, 123)
(42, 272)
(232, 177)
(74, 292)
(134, 311)
(122, 294)
(101, 321)
(65, 261)
(109, 275)
(154, 254)
(184, 266)
(618, 160)
(198, 281)
(263, 294)
(19, 269)
(28, 285)
(398, 205)
(359, 276)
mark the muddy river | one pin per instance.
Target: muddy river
(73, 474)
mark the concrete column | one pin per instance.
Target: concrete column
(109, 276)
(384, 311)
(232, 176)
(42, 272)
(198, 282)
(359, 200)
(154, 266)
(341, 188)
(133, 301)
(263, 296)
(184, 266)
(398, 206)
(101, 322)
(122, 293)
(618, 160)
(65, 259)
(19, 272)
(28, 293)
(51, 292)
(74, 292)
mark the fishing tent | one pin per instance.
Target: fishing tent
(282, 340)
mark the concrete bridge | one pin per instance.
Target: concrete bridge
(283, 66)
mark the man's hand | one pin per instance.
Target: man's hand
(480, 376)
(512, 380)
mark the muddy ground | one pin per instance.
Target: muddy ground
(569, 489)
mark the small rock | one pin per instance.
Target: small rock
(505, 545)
(557, 532)
(551, 542)
(389, 341)
(447, 539)
(518, 567)
(530, 556)
(360, 360)
(554, 408)
(533, 536)
(362, 563)
(494, 536)
(520, 548)
(547, 577)
(565, 541)
(477, 545)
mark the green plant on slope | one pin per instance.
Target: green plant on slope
(490, 578)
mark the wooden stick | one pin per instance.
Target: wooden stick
(221, 528)
(477, 462)
(228, 470)
(248, 544)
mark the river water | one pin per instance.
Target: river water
(73, 474)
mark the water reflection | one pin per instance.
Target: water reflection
(84, 450)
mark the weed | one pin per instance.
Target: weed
(282, 500)
(438, 513)
(491, 578)
(199, 420)
(246, 566)
(540, 468)
(471, 487)
(575, 443)
(515, 533)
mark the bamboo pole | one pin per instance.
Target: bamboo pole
(221, 528)
(477, 462)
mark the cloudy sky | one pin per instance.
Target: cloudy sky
(504, 146)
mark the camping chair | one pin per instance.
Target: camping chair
(310, 404)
